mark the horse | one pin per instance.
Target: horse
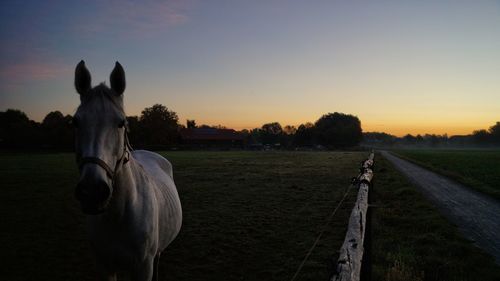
(129, 196)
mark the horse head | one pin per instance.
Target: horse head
(101, 141)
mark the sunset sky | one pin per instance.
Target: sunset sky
(400, 66)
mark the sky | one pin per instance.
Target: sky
(400, 66)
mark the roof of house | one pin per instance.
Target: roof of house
(210, 134)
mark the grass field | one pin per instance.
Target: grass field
(477, 169)
(247, 216)
(411, 241)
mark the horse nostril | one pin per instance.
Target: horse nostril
(93, 193)
(103, 191)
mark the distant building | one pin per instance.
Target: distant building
(211, 138)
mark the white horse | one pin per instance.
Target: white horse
(130, 196)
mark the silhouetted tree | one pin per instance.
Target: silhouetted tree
(338, 130)
(435, 140)
(304, 135)
(246, 135)
(419, 139)
(409, 139)
(495, 133)
(17, 130)
(254, 137)
(57, 130)
(271, 133)
(134, 128)
(288, 135)
(377, 138)
(460, 140)
(289, 130)
(160, 125)
(481, 137)
(190, 124)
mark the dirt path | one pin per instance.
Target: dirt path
(476, 215)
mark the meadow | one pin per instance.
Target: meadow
(478, 169)
(247, 215)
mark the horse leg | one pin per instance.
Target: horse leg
(143, 271)
(155, 267)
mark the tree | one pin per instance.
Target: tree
(378, 138)
(17, 130)
(57, 130)
(271, 133)
(410, 139)
(419, 139)
(338, 130)
(134, 129)
(160, 125)
(304, 135)
(481, 137)
(289, 130)
(254, 136)
(495, 133)
(219, 126)
(190, 124)
(288, 135)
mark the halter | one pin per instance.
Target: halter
(101, 163)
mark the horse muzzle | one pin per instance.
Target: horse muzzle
(94, 196)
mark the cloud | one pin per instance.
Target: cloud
(136, 17)
(29, 59)
(33, 54)
(32, 71)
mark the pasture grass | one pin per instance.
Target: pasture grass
(478, 169)
(254, 215)
(247, 216)
(412, 241)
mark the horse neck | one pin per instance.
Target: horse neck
(125, 191)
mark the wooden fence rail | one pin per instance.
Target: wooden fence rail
(351, 252)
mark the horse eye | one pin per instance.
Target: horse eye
(122, 124)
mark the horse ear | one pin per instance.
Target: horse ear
(117, 79)
(82, 78)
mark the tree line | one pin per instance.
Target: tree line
(332, 130)
(158, 126)
(479, 138)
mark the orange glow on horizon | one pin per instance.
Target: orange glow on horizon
(387, 120)
(391, 122)
(398, 130)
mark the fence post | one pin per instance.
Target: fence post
(351, 252)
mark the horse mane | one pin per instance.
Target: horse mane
(103, 92)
